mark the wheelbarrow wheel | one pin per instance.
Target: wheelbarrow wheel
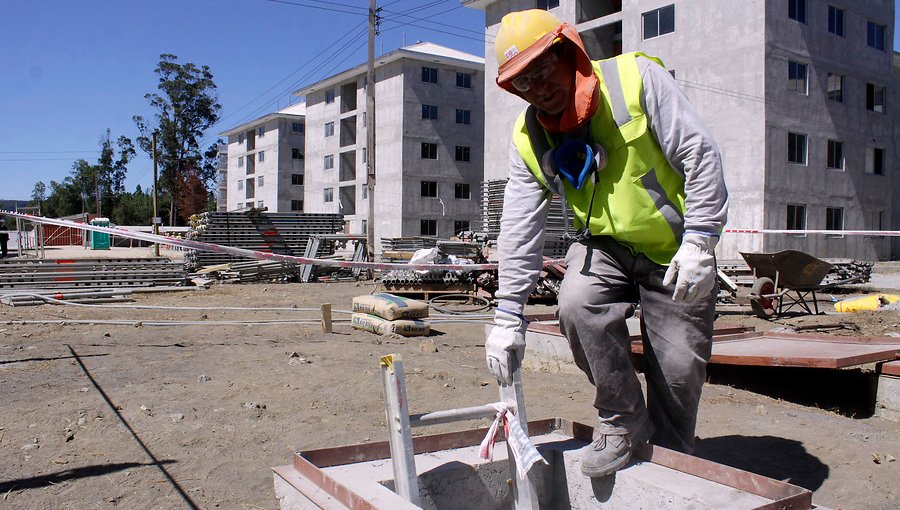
(763, 307)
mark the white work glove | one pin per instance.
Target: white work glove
(507, 337)
(695, 267)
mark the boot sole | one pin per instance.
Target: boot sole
(606, 470)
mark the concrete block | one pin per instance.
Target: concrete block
(887, 399)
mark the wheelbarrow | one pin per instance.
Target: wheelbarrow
(785, 280)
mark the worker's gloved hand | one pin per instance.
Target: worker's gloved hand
(694, 265)
(507, 337)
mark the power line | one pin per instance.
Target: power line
(332, 9)
(49, 152)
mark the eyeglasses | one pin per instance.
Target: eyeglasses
(540, 71)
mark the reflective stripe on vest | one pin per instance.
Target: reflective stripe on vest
(639, 197)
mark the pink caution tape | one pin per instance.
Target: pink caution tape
(261, 255)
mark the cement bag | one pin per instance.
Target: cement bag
(380, 326)
(390, 307)
(865, 303)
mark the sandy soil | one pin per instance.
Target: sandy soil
(137, 416)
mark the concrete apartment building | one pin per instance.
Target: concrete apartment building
(265, 166)
(801, 96)
(429, 135)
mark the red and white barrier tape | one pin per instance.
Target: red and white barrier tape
(261, 255)
(873, 233)
(382, 266)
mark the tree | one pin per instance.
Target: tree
(186, 107)
(89, 186)
(39, 194)
(109, 173)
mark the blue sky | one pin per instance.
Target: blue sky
(71, 69)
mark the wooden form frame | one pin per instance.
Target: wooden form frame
(310, 478)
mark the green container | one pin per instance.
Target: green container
(100, 240)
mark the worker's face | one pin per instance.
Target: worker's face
(547, 83)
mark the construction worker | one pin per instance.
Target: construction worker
(623, 147)
(4, 238)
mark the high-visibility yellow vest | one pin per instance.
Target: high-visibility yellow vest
(638, 196)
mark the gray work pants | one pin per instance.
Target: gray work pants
(604, 281)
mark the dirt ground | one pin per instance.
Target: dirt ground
(135, 416)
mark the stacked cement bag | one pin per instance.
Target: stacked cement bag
(387, 314)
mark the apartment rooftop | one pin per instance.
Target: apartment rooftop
(294, 110)
(425, 51)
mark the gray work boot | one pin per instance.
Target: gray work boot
(606, 455)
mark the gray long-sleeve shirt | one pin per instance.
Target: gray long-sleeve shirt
(689, 148)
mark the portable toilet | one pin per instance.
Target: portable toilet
(100, 240)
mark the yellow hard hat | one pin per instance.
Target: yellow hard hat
(519, 30)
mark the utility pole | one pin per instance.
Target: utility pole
(155, 217)
(370, 135)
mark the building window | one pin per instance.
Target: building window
(797, 77)
(297, 127)
(261, 131)
(241, 184)
(875, 36)
(296, 205)
(429, 111)
(428, 228)
(260, 156)
(429, 189)
(296, 154)
(260, 204)
(835, 87)
(429, 150)
(329, 129)
(836, 20)
(241, 138)
(329, 162)
(460, 226)
(797, 148)
(547, 4)
(874, 161)
(462, 153)
(364, 192)
(659, 22)
(296, 179)
(464, 80)
(797, 10)
(260, 181)
(329, 195)
(365, 226)
(364, 119)
(874, 98)
(461, 190)
(240, 161)
(329, 96)
(834, 218)
(463, 116)
(429, 74)
(835, 154)
(796, 217)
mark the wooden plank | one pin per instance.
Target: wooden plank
(789, 350)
